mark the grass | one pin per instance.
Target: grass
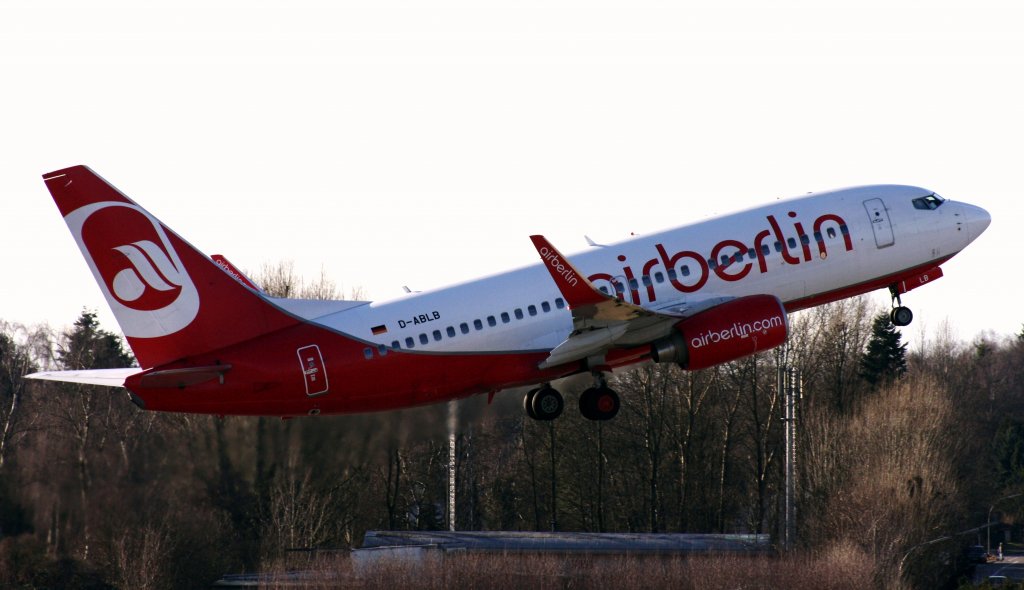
(839, 568)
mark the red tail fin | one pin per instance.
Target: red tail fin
(170, 300)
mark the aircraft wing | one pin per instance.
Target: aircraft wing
(601, 321)
(108, 377)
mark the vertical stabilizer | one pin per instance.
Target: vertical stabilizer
(170, 300)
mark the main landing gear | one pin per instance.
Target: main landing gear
(596, 403)
(543, 403)
(900, 316)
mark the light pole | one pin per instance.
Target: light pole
(988, 527)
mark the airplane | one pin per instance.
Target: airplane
(208, 340)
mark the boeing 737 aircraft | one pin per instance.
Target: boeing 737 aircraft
(209, 341)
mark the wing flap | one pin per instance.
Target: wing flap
(583, 344)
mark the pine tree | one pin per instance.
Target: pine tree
(87, 346)
(884, 361)
(1008, 452)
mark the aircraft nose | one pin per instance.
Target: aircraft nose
(977, 219)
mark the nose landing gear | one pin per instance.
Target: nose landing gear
(900, 316)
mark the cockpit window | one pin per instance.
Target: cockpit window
(930, 202)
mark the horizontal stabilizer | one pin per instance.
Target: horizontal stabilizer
(107, 377)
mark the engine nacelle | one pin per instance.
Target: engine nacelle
(724, 333)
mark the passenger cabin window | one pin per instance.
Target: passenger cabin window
(368, 353)
(424, 339)
(491, 321)
(830, 232)
(409, 343)
(532, 310)
(929, 202)
(478, 325)
(792, 243)
(545, 306)
(519, 313)
(437, 335)
(504, 317)
(659, 277)
(395, 345)
(464, 328)
(560, 303)
(451, 332)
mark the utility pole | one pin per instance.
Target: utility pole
(452, 423)
(790, 386)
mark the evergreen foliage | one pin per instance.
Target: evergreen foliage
(87, 346)
(1008, 452)
(885, 360)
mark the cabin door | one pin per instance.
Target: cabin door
(879, 222)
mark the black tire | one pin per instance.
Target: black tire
(588, 403)
(599, 403)
(902, 316)
(528, 402)
(547, 404)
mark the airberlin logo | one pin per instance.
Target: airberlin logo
(737, 330)
(137, 268)
(730, 259)
(551, 257)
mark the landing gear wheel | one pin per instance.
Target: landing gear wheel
(599, 403)
(547, 404)
(528, 403)
(901, 316)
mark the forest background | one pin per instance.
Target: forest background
(896, 448)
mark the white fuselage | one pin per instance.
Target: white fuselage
(801, 250)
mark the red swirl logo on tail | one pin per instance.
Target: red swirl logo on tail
(136, 265)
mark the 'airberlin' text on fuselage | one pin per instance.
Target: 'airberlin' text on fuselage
(739, 257)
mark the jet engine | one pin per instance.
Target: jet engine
(724, 333)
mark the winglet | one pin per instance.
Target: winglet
(232, 270)
(575, 288)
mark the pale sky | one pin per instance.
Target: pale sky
(421, 143)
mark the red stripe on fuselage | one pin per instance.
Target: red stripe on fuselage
(861, 288)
